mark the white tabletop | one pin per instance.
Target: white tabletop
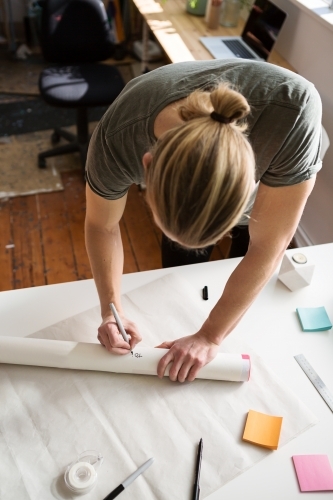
(270, 327)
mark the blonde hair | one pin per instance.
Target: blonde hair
(202, 171)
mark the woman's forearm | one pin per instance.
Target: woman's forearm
(105, 251)
(273, 222)
(242, 288)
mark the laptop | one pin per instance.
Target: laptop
(257, 39)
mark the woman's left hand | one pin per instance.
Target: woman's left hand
(186, 356)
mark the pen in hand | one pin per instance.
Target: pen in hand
(119, 323)
(196, 487)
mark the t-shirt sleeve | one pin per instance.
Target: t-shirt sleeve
(298, 158)
(103, 174)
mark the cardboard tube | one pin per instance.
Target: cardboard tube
(86, 356)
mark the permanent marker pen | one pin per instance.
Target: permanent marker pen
(129, 480)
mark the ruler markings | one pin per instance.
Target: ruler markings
(315, 379)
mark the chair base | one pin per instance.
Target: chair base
(77, 143)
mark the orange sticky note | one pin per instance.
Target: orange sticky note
(263, 430)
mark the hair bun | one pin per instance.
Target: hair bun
(220, 118)
(229, 103)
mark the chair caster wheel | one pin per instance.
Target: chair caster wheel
(41, 163)
(55, 138)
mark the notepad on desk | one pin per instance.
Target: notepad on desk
(313, 319)
(262, 430)
(314, 472)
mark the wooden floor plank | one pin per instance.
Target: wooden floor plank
(74, 193)
(60, 266)
(75, 205)
(28, 265)
(6, 254)
(48, 230)
(140, 226)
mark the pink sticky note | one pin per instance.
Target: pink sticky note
(314, 472)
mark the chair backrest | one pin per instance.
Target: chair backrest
(75, 31)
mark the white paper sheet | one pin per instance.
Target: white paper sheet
(49, 416)
(88, 356)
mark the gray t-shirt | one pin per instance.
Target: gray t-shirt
(284, 124)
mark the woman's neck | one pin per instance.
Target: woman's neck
(168, 118)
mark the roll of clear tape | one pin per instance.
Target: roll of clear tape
(81, 475)
(86, 356)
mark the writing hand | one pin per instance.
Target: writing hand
(110, 337)
(186, 356)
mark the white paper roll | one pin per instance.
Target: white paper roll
(85, 356)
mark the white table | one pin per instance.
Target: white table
(270, 327)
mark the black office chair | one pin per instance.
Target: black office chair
(76, 35)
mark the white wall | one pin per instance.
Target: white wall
(307, 44)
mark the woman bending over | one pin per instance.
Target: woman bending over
(223, 146)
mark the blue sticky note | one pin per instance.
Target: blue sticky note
(313, 319)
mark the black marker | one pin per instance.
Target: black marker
(129, 480)
(205, 293)
(196, 487)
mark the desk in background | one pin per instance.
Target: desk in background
(178, 32)
(270, 327)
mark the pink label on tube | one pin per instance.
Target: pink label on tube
(247, 356)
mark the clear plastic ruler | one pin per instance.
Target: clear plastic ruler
(315, 379)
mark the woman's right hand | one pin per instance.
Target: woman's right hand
(111, 338)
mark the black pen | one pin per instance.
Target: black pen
(129, 480)
(196, 487)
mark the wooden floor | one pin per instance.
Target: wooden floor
(42, 237)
